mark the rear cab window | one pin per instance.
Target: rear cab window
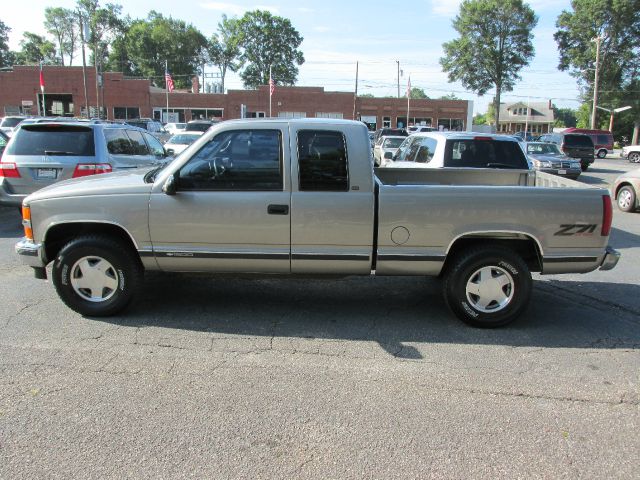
(322, 160)
(41, 139)
(485, 153)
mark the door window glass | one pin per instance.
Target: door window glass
(236, 160)
(322, 158)
(137, 143)
(154, 145)
(117, 142)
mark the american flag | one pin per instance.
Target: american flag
(168, 80)
(272, 86)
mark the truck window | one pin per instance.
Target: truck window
(246, 160)
(322, 157)
(473, 153)
(421, 150)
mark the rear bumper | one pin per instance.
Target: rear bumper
(30, 253)
(10, 199)
(610, 259)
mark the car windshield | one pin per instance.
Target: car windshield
(543, 148)
(198, 127)
(392, 142)
(183, 139)
(39, 139)
(11, 121)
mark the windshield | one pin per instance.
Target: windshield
(183, 139)
(38, 139)
(543, 148)
(11, 121)
(198, 127)
(392, 142)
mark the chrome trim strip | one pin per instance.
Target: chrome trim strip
(411, 258)
(221, 255)
(322, 256)
(569, 259)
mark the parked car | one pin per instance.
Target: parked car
(547, 157)
(602, 140)
(522, 137)
(308, 202)
(457, 149)
(41, 154)
(420, 129)
(625, 190)
(573, 145)
(388, 132)
(199, 125)
(3, 142)
(176, 144)
(372, 138)
(174, 128)
(632, 153)
(7, 124)
(148, 124)
(384, 145)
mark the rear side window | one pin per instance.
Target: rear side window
(137, 143)
(484, 154)
(421, 150)
(578, 141)
(322, 158)
(604, 140)
(53, 140)
(118, 142)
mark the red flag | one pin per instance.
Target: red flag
(168, 80)
(41, 80)
(272, 86)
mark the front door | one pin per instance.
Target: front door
(231, 211)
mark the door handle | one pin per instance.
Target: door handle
(278, 209)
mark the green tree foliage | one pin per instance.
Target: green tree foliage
(268, 41)
(6, 56)
(449, 96)
(35, 50)
(418, 93)
(62, 24)
(564, 117)
(583, 116)
(223, 48)
(494, 44)
(480, 119)
(105, 25)
(149, 43)
(617, 23)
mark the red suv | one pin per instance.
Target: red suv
(602, 140)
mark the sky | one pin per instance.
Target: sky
(337, 34)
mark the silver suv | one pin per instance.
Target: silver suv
(40, 154)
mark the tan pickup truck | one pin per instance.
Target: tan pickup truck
(300, 197)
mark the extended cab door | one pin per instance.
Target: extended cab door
(332, 199)
(231, 210)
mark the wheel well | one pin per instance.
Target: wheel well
(524, 246)
(59, 235)
(625, 184)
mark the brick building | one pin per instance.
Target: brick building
(120, 97)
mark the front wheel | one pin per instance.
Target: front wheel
(634, 157)
(96, 276)
(488, 287)
(602, 153)
(584, 167)
(626, 199)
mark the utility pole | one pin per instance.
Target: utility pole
(595, 83)
(398, 62)
(84, 65)
(355, 96)
(95, 64)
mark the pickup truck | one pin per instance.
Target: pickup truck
(300, 197)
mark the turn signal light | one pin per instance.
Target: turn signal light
(9, 170)
(26, 222)
(86, 169)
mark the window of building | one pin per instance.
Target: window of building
(292, 114)
(386, 122)
(322, 159)
(241, 160)
(176, 115)
(126, 113)
(329, 115)
(451, 124)
(206, 113)
(255, 115)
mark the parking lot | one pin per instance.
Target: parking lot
(348, 378)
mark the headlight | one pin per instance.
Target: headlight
(574, 165)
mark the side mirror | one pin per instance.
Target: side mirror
(388, 155)
(169, 152)
(169, 187)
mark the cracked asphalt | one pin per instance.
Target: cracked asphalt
(351, 378)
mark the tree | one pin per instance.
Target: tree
(6, 56)
(495, 43)
(35, 50)
(449, 96)
(224, 49)
(617, 23)
(564, 117)
(417, 93)
(105, 25)
(268, 41)
(149, 43)
(480, 119)
(62, 24)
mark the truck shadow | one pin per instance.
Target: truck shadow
(623, 239)
(395, 312)
(10, 222)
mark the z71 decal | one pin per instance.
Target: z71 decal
(576, 229)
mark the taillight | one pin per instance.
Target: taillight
(483, 138)
(86, 169)
(9, 170)
(26, 222)
(607, 215)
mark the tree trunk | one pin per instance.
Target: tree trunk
(636, 131)
(497, 107)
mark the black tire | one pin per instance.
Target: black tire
(584, 166)
(626, 199)
(113, 261)
(602, 153)
(634, 157)
(503, 264)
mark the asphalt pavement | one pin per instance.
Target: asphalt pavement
(350, 378)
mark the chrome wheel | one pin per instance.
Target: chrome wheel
(94, 279)
(634, 157)
(490, 289)
(625, 198)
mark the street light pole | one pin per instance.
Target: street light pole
(595, 83)
(612, 111)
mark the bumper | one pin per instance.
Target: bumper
(30, 253)
(10, 199)
(610, 259)
(569, 172)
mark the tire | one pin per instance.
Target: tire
(112, 266)
(634, 157)
(507, 287)
(626, 199)
(584, 166)
(602, 153)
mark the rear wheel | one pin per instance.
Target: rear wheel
(626, 199)
(584, 166)
(634, 157)
(488, 287)
(96, 276)
(602, 153)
